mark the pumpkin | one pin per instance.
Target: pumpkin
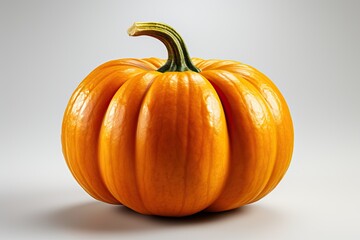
(176, 137)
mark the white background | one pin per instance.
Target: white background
(310, 49)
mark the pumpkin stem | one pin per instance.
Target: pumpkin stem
(178, 57)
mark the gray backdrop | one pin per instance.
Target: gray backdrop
(310, 49)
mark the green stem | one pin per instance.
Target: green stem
(178, 57)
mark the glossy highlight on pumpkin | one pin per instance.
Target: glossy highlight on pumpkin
(173, 143)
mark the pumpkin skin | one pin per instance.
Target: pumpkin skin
(177, 142)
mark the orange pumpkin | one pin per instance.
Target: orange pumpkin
(177, 137)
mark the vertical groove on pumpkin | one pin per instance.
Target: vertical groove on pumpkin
(255, 77)
(275, 149)
(204, 114)
(280, 164)
(270, 163)
(112, 78)
(224, 103)
(266, 104)
(115, 189)
(128, 193)
(107, 72)
(212, 167)
(229, 148)
(189, 88)
(141, 179)
(135, 145)
(84, 181)
(238, 199)
(186, 148)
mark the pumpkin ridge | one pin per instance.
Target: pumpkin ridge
(138, 177)
(129, 195)
(212, 195)
(136, 164)
(211, 163)
(123, 86)
(86, 180)
(223, 100)
(267, 104)
(282, 162)
(75, 164)
(187, 146)
(255, 90)
(275, 136)
(218, 90)
(135, 145)
(98, 85)
(226, 81)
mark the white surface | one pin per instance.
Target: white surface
(310, 50)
